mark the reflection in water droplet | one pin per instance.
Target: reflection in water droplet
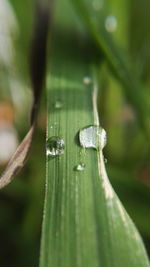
(111, 23)
(97, 4)
(80, 167)
(92, 137)
(55, 146)
(58, 104)
(86, 80)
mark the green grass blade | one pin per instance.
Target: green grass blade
(84, 223)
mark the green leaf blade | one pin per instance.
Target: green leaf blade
(84, 223)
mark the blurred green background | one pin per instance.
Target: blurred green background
(127, 152)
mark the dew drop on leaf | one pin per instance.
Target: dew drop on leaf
(55, 146)
(80, 167)
(92, 137)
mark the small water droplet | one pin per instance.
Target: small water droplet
(92, 137)
(97, 4)
(54, 146)
(58, 104)
(86, 80)
(80, 167)
(111, 23)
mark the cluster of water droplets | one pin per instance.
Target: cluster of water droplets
(89, 137)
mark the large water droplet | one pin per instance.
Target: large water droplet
(80, 167)
(92, 137)
(111, 23)
(54, 146)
